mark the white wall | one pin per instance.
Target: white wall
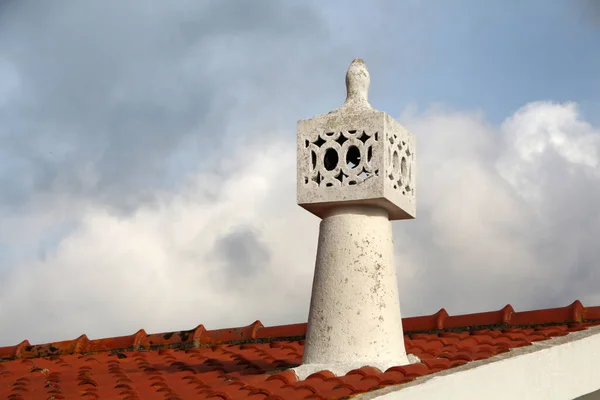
(560, 368)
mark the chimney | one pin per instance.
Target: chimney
(356, 173)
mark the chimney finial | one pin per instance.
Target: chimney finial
(357, 84)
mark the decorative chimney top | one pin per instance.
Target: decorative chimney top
(356, 155)
(355, 171)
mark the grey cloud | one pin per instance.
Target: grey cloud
(567, 243)
(242, 254)
(590, 10)
(108, 92)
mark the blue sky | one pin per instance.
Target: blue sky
(492, 56)
(147, 163)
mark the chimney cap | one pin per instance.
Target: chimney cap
(356, 155)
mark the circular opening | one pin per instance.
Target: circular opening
(331, 159)
(403, 167)
(395, 162)
(352, 157)
(313, 157)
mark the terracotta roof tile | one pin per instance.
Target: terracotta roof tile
(252, 361)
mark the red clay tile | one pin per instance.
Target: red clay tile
(322, 375)
(570, 313)
(13, 351)
(591, 313)
(294, 330)
(231, 335)
(499, 317)
(425, 323)
(417, 369)
(365, 371)
(252, 361)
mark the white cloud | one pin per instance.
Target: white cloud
(497, 224)
(477, 242)
(543, 128)
(153, 268)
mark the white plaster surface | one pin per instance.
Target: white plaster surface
(561, 368)
(381, 172)
(354, 317)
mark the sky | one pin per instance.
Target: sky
(148, 156)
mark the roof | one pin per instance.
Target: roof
(253, 361)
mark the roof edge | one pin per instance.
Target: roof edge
(256, 332)
(513, 374)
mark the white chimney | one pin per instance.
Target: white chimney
(356, 173)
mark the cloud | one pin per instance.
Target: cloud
(590, 9)
(124, 106)
(107, 114)
(242, 250)
(505, 213)
(188, 259)
(148, 174)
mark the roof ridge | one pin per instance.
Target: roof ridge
(257, 332)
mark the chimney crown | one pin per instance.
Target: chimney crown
(356, 155)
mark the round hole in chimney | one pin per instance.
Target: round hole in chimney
(330, 159)
(403, 167)
(352, 157)
(313, 157)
